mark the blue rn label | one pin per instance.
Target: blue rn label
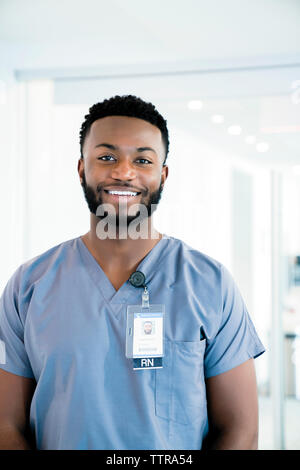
(147, 363)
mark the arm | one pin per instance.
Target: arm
(15, 397)
(233, 409)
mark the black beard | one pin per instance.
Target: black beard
(93, 202)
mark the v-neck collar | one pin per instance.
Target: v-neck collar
(148, 266)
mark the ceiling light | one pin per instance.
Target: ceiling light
(217, 118)
(262, 147)
(250, 139)
(234, 130)
(195, 104)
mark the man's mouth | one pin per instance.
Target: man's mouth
(118, 193)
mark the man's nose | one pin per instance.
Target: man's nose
(123, 170)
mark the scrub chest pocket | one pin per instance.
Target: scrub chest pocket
(180, 387)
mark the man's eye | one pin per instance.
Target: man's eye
(106, 158)
(143, 160)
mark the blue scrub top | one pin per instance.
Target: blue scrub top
(63, 324)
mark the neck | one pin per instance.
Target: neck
(116, 252)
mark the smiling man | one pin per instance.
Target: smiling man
(79, 370)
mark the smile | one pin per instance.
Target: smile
(121, 193)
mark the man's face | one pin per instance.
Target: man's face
(147, 328)
(122, 154)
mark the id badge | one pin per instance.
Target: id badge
(144, 336)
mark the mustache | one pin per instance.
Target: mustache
(100, 187)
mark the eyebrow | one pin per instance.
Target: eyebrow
(114, 147)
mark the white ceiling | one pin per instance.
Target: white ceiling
(44, 33)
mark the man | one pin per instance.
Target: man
(147, 327)
(67, 382)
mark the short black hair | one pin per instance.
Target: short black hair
(125, 105)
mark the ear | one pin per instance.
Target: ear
(80, 168)
(164, 174)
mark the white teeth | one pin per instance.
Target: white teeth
(123, 193)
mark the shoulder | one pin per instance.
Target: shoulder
(54, 257)
(21, 284)
(190, 253)
(205, 277)
(202, 267)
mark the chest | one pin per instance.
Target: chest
(118, 277)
